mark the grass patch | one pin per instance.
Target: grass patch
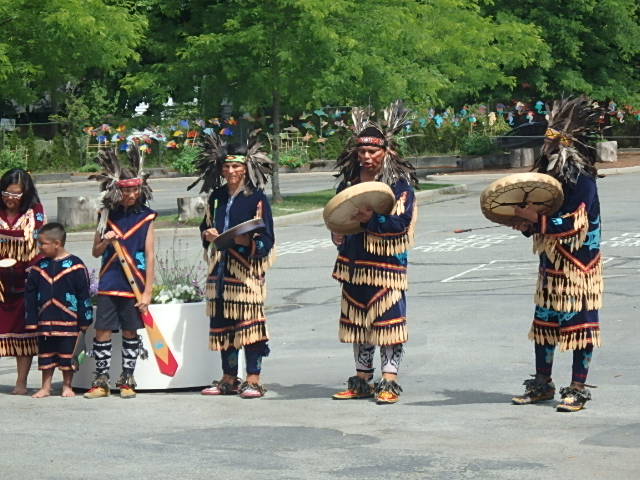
(302, 202)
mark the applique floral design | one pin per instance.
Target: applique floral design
(402, 257)
(593, 237)
(73, 302)
(141, 262)
(67, 263)
(586, 361)
(548, 358)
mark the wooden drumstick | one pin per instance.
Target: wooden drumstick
(464, 230)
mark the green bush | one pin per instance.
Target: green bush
(89, 168)
(477, 144)
(185, 162)
(13, 158)
(294, 157)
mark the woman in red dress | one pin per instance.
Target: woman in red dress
(21, 216)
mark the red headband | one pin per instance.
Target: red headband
(371, 141)
(130, 182)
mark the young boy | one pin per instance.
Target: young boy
(58, 307)
(125, 218)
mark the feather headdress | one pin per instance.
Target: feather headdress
(366, 132)
(566, 139)
(114, 177)
(568, 148)
(216, 152)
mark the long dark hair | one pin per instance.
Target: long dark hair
(29, 193)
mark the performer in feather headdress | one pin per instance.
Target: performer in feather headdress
(569, 290)
(21, 217)
(124, 217)
(235, 176)
(372, 265)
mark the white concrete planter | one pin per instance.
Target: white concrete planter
(185, 327)
(607, 151)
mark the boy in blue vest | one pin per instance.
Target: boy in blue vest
(124, 218)
(58, 307)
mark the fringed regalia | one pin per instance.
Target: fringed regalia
(17, 240)
(236, 288)
(131, 225)
(58, 307)
(569, 290)
(372, 267)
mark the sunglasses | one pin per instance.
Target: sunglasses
(16, 196)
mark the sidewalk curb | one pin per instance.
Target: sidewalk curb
(427, 196)
(619, 171)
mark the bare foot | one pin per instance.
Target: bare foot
(68, 392)
(41, 393)
(19, 390)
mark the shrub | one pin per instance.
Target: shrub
(185, 162)
(477, 144)
(294, 157)
(90, 168)
(13, 158)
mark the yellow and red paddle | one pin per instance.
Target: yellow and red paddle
(166, 361)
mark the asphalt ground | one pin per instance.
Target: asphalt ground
(469, 309)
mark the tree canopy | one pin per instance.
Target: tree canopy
(594, 44)
(306, 53)
(50, 45)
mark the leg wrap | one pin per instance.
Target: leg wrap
(581, 362)
(390, 357)
(102, 355)
(253, 355)
(544, 359)
(230, 361)
(363, 356)
(130, 352)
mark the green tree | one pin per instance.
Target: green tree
(595, 46)
(50, 45)
(286, 55)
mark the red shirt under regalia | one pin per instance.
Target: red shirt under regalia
(18, 241)
(372, 267)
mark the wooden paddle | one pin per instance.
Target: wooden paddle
(166, 361)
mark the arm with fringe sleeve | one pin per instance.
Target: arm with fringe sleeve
(393, 233)
(571, 224)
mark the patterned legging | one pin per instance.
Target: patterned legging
(253, 356)
(390, 357)
(580, 367)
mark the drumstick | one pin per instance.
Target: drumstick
(464, 230)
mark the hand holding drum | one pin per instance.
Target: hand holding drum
(517, 200)
(240, 234)
(345, 212)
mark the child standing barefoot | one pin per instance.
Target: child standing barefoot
(58, 307)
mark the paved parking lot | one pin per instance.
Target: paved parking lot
(470, 305)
